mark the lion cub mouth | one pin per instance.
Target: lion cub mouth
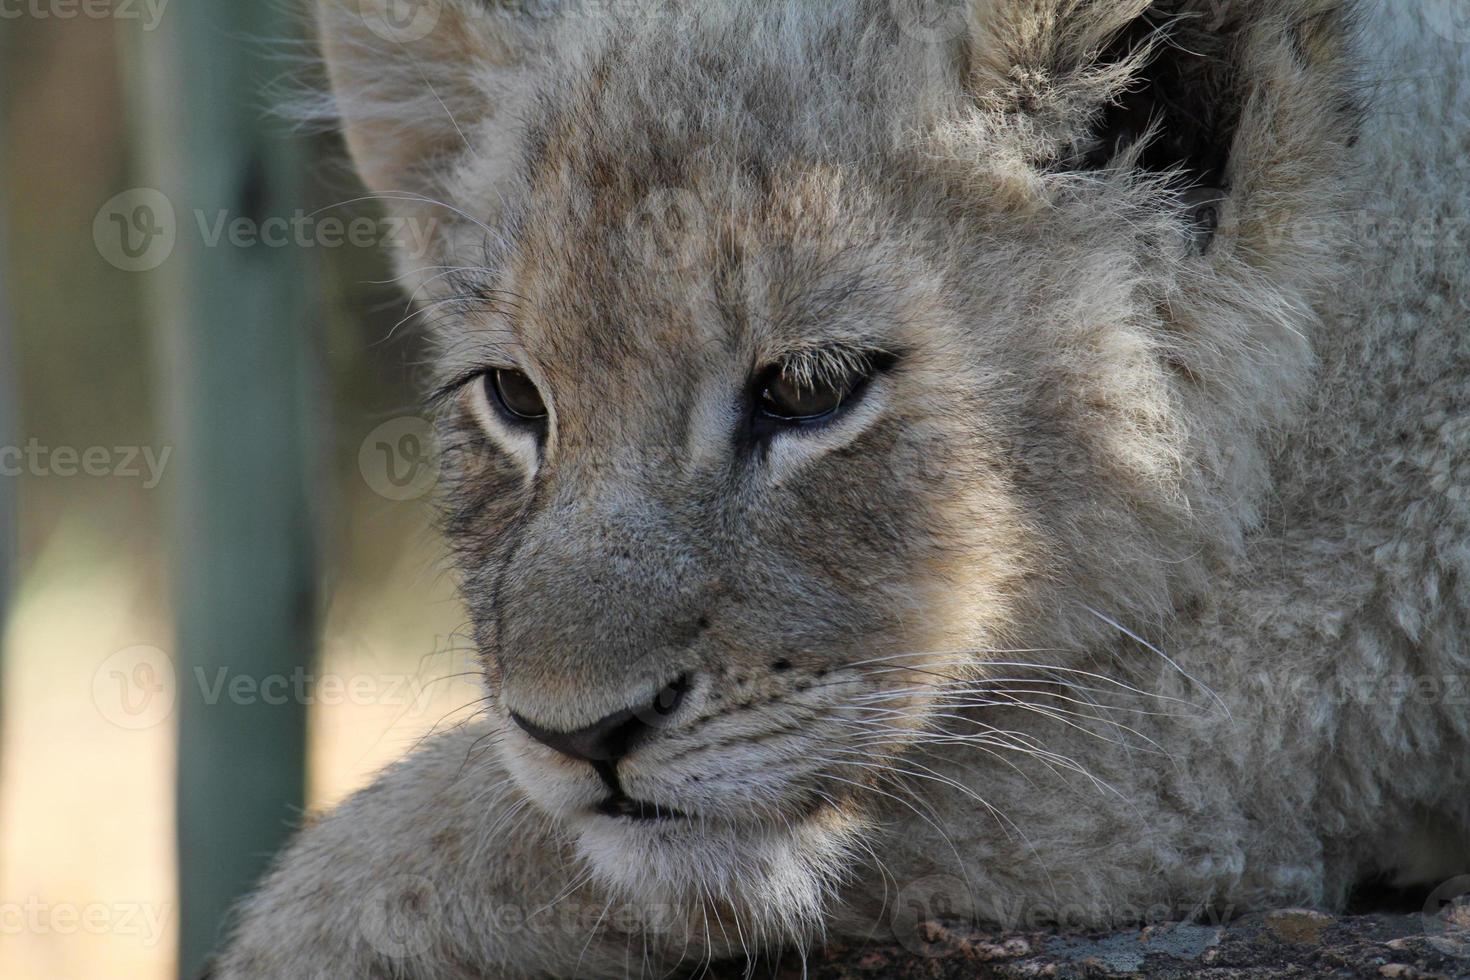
(624, 807)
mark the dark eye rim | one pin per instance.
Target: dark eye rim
(495, 389)
(858, 384)
(768, 409)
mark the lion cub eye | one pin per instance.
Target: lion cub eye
(791, 401)
(515, 394)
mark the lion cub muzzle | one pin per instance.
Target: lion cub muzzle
(607, 741)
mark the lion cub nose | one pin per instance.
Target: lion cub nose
(615, 736)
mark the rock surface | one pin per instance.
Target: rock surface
(1291, 943)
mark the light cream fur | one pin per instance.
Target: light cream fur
(1138, 587)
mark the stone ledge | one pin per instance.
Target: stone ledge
(1290, 943)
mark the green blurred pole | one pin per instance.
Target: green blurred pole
(9, 402)
(9, 423)
(238, 366)
(9, 437)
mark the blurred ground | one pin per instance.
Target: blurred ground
(86, 804)
(1285, 944)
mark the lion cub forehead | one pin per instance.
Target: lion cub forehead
(750, 275)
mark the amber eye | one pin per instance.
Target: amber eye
(515, 393)
(802, 401)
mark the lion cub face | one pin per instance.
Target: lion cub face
(709, 513)
(801, 369)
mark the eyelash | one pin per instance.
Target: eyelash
(451, 390)
(865, 367)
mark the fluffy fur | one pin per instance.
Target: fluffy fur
(1134, 585)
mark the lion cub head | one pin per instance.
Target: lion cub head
(800, 360)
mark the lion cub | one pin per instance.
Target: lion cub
(1005, 458)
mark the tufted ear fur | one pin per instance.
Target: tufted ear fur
(429, 90)
(1170, 87)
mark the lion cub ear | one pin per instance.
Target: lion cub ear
(1202, 90)
(424, 88)
(1154, 77)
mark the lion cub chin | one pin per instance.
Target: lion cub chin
(998, 460)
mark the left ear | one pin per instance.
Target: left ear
(1224, 95)
(432, 99)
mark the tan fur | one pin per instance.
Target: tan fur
(1105, 602)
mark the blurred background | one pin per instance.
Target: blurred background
(222, 596)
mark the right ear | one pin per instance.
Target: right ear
(428, 88)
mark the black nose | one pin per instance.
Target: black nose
(614, 736)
